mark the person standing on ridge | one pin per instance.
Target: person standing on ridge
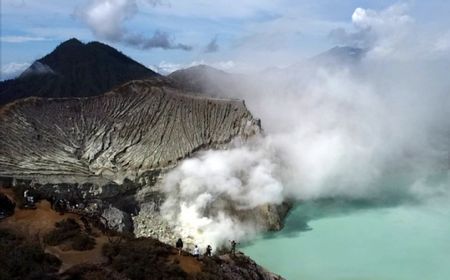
(208, 251)
(179, 246)
(233, 247)
(25, 196)
(29, 199)
(196, 252)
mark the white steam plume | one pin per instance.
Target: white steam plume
(373, 129)
(206, 194)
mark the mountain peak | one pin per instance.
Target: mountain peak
(198, 69)
(73, 41)
(341, 54)
(77, 69)
(69, 44)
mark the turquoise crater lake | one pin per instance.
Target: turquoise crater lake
(335, 240)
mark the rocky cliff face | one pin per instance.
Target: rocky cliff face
(109, 151)
(135, 129)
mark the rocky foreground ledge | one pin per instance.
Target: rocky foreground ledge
(40, 243)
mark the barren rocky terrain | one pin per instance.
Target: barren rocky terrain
(108, 152)
(136, 128)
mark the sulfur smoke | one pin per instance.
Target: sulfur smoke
(206, 193)
(372, 127)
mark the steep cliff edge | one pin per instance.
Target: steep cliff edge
(39, 244)
(108, 152)
(134, 129)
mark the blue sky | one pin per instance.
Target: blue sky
(271, 32)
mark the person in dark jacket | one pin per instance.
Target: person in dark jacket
(233, 247)
(208, 251)
(6, 206)
(179, 246)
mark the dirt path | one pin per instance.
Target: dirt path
(71, 258)
(35, 223)
(188, 263)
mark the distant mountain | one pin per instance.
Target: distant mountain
(339, 55)
(207, 80)
(203, 79)
(334, 58)
(74, 69)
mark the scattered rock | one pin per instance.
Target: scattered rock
(118, 220)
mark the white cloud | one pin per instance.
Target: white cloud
(12, 70)
(165, 67)
(21, 39)
(442, 43)
(59, 33)
(381, 31)
(106, 19)
(391, 33)
(217, 9)
(391, 17)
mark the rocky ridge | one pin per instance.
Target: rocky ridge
(135, 129)
(108, 152)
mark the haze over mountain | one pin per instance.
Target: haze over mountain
(206, 80)
(340, 55)
(214, 82)
(74, 69)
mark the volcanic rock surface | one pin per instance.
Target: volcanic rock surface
(108, 152)
(125, 133)
(72, 131)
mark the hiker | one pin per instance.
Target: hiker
(233, 247)
(208, 251)
(29, 199)
(25, 196)
(196, 252)
(60, 206)
(6, 206)
(79, 205)
(179, 246)
(52, 201)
